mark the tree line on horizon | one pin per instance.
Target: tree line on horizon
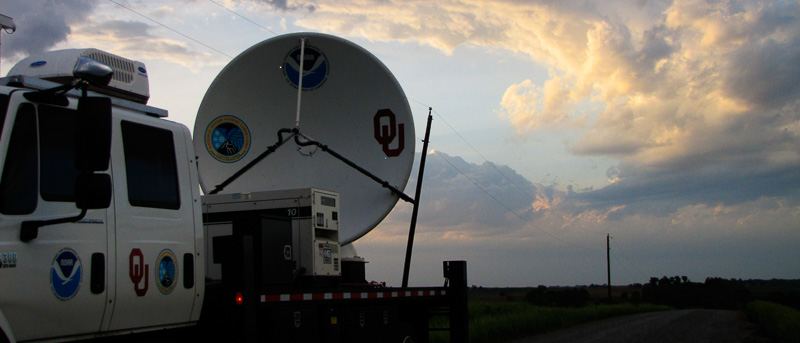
(719, 293)
(678, 292)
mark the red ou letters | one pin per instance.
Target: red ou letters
(385, 134)
(138, 271)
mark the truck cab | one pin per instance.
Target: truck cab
(135, 264)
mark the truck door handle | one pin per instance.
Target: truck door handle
(98, 278)
(188, 274)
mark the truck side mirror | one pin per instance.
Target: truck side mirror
(93, 150)
(93, 191)
(93, 153)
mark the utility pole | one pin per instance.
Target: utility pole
(608, 263)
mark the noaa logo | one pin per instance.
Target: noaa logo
(66, 274)
(167, 271)
(227, 139)
(315, 68)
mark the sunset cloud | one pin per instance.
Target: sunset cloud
(687, 86)
(34, 35)
(652, 227)
(126, 38)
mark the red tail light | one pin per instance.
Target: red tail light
(239, 298)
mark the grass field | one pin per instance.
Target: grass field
(502, 314)
(780, 323)
(493, 321)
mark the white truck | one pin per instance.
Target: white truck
(104, 230)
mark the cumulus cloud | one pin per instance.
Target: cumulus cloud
(468, 200)
(695, 89)
(77, 21)
(650, 224)
(529, 107)
(286, 5)
(127, 38)
(34, 35)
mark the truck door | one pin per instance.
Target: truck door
(53, 285)
(155, 223)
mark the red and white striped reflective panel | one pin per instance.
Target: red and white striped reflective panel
(351, 295)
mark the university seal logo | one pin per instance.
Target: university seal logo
(167, 271)
(227, 139)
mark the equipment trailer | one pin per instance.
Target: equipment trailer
(104, 231)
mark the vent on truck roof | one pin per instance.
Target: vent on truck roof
(128, 82)
(123, 67)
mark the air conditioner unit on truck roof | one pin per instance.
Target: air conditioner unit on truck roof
(128, 82)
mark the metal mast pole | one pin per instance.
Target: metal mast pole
(300, 80)
(413, 227)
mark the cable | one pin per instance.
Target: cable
(243, 17)
(171, 29)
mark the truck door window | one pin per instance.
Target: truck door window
(19, 183)
(57, 140)
(150, 166)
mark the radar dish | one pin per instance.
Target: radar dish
(350, 102)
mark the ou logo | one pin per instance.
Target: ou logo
(385, 134)
(138, 272)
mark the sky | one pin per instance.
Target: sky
(672, 126)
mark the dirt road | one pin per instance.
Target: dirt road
(668, 326)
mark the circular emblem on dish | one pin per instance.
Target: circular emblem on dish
(66, 274)
(167, 271)
(227, 139)
(315, 67)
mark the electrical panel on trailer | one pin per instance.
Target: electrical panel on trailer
(294, 234)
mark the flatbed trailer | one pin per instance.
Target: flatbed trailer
(275, 273)
(345, 314)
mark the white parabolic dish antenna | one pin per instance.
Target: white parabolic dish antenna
(350, 102)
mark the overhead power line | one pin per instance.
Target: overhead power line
(171, 29)
(243, 17)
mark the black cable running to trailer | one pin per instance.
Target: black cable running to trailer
(333, 153)
(296, 134)
(270, 150)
